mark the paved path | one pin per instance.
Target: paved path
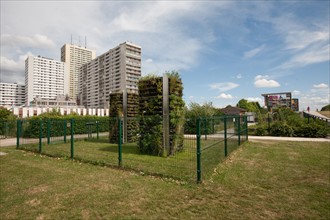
(271, 138)
(12, 141)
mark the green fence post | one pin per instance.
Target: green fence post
(6, 129)
(246, 129)
(18, 133)
(97, 130)
(72, 137)
(205, 128)
(64, 129)
(239, 130)
(198, 137)
(119, 142)
(40, 136)
(268, 124)
(48, 131)
(225, 135)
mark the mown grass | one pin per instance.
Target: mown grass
(265, 180)
(181, 166)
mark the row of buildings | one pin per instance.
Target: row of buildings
(80, 79)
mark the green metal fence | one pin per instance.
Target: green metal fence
(114, 142)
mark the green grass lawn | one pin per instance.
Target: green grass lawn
(264, 180)
(181, 166)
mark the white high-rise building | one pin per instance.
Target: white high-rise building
(75, 56)
(44, 78)
(117, 70)
(12, 94)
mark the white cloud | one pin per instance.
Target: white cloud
(254, 99)
(149, 60)
(321, 86)
(311, 56)
(254, 52)
(224, 96)
(239, 76)
(300, 39)
(261, 81)
(296, 92)
(36, 41)
(222, 87)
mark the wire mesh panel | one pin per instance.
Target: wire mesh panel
(147, 153)
(96, 141)
(28, 131)
(194, 147)
(8, 129)
(212, 145)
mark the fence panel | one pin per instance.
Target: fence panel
(212, 145)
(8, 129)
(138, 143)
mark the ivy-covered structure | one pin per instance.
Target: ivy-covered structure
(126, 106)
(161, 108)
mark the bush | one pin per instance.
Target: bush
(313, 130)
(58, 124)
(281, 129)
(261, 130)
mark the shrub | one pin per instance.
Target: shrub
(281, 129)
(313, 130)
(261, 130)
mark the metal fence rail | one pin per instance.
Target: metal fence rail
(115, 142)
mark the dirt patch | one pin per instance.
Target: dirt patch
(85, 214)
(2, 153)
(40, 217)
(33, 202)
(37, 189)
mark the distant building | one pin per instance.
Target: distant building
(44, 78)
(12, 94)
(112, 72)
(275, 100)
(24, 112)
(58, 102)
(230, 110)
(75, 57)
(295, 105)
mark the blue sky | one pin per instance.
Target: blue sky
(224, 50)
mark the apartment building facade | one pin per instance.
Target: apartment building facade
(12, 94)
(117, 70)
(44, 78)
(75, 56)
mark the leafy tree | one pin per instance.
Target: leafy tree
(6, 114)
(249, 106)
(206, 110)
(195, 110)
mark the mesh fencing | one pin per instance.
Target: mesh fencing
(141, 143)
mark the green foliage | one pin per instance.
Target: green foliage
(281, 129)
(314, 130)
(249, 106)
(6, 114)
(194, 111)
(151, 111)
(150, 137)
(7, 123)
(326, 108)
(261, 130)
(58, 124)
(286, 122)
